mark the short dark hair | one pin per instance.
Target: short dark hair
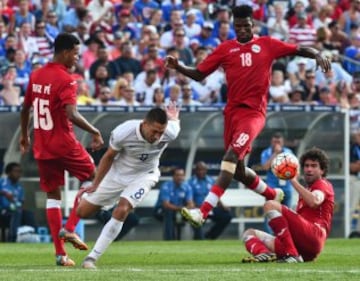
(316, 154)
(277, 135)
(243, 11)
(157, 115)
(10, 166)
(65, 41)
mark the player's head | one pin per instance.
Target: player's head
(13, 171)
(178, 175)
(315, 164)
(66, 49)
(277, 139)
(154, 124)
(243, 23)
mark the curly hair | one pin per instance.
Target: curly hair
(316, 154)
(243, 11)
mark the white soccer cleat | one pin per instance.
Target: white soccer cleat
(279, 195)
(88, 263)
(194, 216)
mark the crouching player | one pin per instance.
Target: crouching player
(298, 236)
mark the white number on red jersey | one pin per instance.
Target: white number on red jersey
(42, 116)
(246, 59)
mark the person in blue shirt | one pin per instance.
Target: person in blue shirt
(173, 196)
(201, 184)
(11, 199)
(267, 156)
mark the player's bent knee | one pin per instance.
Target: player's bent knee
(272, 205)
(247, 233)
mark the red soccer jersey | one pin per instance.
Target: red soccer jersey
(247, 68)
(324, 213)
(50, 89)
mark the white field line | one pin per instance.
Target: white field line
(143, 270)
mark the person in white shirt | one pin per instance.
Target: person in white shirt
(127, 171)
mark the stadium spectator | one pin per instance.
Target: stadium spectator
(128, 97)
(167, 38)
(21, 16)
(51, 25)
(291, 16)
(126, 62)
(126, 173)
(43, 41)
(23, 70)
(103, 58)
(118, 89)
(187, 96)
(101, 79)
(90, 55)
(222, 16)
(225, 31)
(59, 7)
(144, 9)
(298, 236)
(191, 27)
(26, 41)
(145, 89)
(297, 95)
(205, 38)
(279, 89)
(10, 93)
(353, 52)
(174, 195)
(153, 55)
(200, 184)
(159, 97)
(338, 37)
(350, 17)
(123, 25)
(355, 180)
(302, 33)
(241, 130)
(277, 26)
(83, 94)
(41, 12)
(99, 10)
(12, 197)
(74, 16)
(185, 53)
(156, 20)
(310, 86)
(53, 91)
(323, 17)
(174, 94)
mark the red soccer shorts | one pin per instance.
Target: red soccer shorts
(309, 238)
(242, 126)
(78, 163)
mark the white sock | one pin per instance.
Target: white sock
(108, 234)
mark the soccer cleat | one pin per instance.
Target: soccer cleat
(279, 195)
(290, 259)
(88, 263)
(264, 257)
(73, 238)
(194, 216)
(64, 261)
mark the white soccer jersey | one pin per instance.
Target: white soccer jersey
(136, 156)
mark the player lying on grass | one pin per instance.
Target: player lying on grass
(299, 235)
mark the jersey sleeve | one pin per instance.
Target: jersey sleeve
(116, 138)
(212, 61)
(281, 48)
(68, 93)
(173, 129)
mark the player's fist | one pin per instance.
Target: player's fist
(171, 62)
(97, 142)
(24, 144)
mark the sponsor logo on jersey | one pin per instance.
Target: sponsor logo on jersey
(255, 48)
(233, 50)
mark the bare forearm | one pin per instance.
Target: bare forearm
(82, 123)
(103, 169)
(191, 72)
(24, 122)
(308, 196)
(308, 52)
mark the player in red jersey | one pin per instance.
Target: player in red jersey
(299, 235)
(51, 94)
(247, 62)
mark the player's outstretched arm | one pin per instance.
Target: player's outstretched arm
(312, 53)
(173, 63)
(79, 120)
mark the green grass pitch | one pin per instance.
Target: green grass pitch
(179, 260)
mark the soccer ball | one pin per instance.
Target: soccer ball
(285, 166)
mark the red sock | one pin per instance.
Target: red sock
(285, 245)
(211, 200)
(54, 219)
(259, 186)
(255, 247)
(73, 217)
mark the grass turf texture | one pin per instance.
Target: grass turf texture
(179, 260)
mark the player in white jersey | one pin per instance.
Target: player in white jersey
(127, 171)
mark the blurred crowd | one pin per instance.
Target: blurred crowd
(124, 43)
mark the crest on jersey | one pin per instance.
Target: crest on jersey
(144, 156)
(256, 48)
